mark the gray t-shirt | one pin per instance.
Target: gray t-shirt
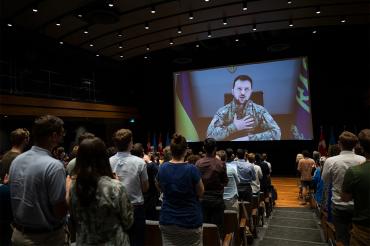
(131, 171)
(37, 182)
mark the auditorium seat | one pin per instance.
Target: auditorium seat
(211, 236)
(153, 234)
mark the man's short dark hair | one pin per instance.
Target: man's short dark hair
(229, 154)
(45, 126)
(348, 140)
(243, 78)
(210, 145)
(18, 136)
(122, 138)
(240, 153)
(364, 138)
(138, 150)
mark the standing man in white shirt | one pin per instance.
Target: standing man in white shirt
(131, 171)
(334, 169)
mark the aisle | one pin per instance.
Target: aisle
(291, 223)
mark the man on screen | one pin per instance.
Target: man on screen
(242, 119)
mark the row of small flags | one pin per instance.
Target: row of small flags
(155, 144)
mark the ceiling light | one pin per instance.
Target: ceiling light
(179, 30)
(61, 42)
(9, 24)
(97, 55)
(206, 0)
(147, 48)
(197, 45)
(58, 23)
(120, 46)
(236, 40)
(120, 35)
(291, 23)
(146, 25)
(91, 45)
(314, 31)
(35, 9)
(343, 20)
(244, 6)
(318, 11)
(86, 31)
(121, 56)
(152, 9)
(209, 34)
(110, 3)
(145, 57)
(254, 27)
(224, 21)
(289, 2)
(191, 15)
(79, 15)
(171, 41)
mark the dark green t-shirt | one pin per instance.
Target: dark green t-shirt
(357, 182)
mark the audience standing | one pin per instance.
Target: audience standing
(131, 171)
(182, 186)
(231, 189)
(99, 203)
(246, 175)
(356, 186)
(38, 188)
(214, 177)
(334, 170)
(305, 168)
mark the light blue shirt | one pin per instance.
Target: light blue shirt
(37, 182)
(131, 171)
(231, 190)
(246, 171)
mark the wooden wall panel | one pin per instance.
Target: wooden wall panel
(29, 106)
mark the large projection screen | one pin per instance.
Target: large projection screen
(276, 105)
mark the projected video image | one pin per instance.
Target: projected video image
(252, 102)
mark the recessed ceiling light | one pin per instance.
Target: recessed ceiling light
(244, 6)
(79, 15)
(120, 35)
(86, 31)
(146, 25)
(314, 31)
(9, 24)
(91, 45)
(236, 40)
(147, 48)
(343, 20)
(291, 23)
(61, 42)
(120, 46)
(191, 15)
(97, 55)
(289, 2)
(171, 42)
(179, 30)
(58, 23)
(209, 34)
(197, 45)
(121, 56)
(254, 27)
(152, 9)
(35, 10)
(224, 21)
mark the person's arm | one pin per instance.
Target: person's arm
(224, 178)
(126, 210)
(144, 178)
(259, 173)
(200, 188)
(222, 125)
(347, 186)
(268, 126)
(325, 176)
(56, 187)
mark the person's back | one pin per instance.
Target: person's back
(106, 219)
(334, 170)
(131, 171)
(37, 185)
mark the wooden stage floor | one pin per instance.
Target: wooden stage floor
(287, 189)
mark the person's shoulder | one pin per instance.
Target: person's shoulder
(258, 107)
(136, 159)
(224, 109)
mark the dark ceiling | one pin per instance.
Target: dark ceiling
(117, 29)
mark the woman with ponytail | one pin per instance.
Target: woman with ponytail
(181, 214)
(98, 202)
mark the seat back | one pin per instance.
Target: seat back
(211, 236)
(231, 224)
(153, 234)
